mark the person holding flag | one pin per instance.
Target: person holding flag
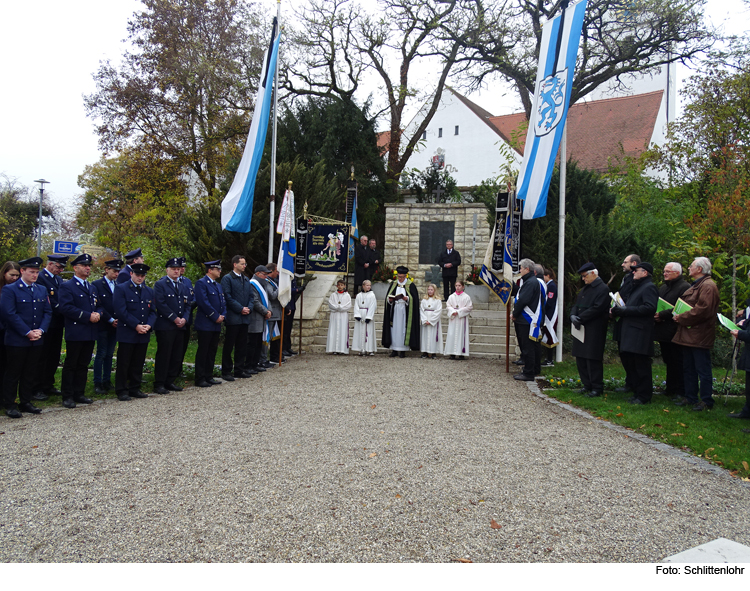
(259, 316)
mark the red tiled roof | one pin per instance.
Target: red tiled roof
(600, 130)
(383, 140)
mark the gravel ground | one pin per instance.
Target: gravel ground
(411, 462)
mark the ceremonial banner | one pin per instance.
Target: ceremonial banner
(497, 283)
(327, 248)
(237, 207)
(288, 249)
(301, 256)
(554, 81)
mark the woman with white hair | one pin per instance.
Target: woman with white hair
(696, 332)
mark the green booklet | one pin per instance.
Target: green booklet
(680, 306)
(663, 305)
(726, 323)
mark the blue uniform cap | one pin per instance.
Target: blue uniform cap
(134, 254)
(58, 258)
(84, 259)
(139, 268)
(32, 263)
(175, 262)
(114, 264)
(213, 264)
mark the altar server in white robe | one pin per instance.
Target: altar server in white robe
(365, 306)
(430, 317)
(459, 308)
(339, 304)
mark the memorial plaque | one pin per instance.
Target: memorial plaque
(432, 239)
(502, 202)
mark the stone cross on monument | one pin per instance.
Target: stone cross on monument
(438, 193)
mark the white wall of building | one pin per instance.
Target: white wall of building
(472, 155)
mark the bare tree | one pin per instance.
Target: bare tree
(620, 37)
(340, 42)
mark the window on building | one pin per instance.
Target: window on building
(440, 132)
(456, 132)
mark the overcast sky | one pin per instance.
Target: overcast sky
(50, 49)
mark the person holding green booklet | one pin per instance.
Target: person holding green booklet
(696, 333)
(665, 328)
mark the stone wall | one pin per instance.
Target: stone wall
(402, 234)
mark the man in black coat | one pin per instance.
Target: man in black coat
(449, 260)
(637, 332)
(626, 287)
(361, 262)
(665, 329)
(527, 311)
(171, 299)
(374, 259)
(239, 296)
(591, 311)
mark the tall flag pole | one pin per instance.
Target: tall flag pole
(272, 197)
(554, 82)
(237, 207)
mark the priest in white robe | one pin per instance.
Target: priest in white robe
(339, 304)
(401, 318)
(459, 309)
(365, 306)
(430, 317)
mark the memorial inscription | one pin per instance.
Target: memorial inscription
(432, 237)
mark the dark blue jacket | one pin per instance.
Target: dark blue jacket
(77, 304)
(106, 302)
(22, 312)
(52, 283)
(132, 309)
(191, 297)
(124, 275)
(210, 299)
(238, 294)
(170, 304)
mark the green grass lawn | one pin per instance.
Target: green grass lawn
(708, 434)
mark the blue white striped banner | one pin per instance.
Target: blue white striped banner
(554, 81)
(237, 207)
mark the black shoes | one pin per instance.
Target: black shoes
(69, 403)
(13, 413)
(138, 394)
(424, 355)
(453, 356)
(203, 384)
(394, 354)
(28, 407)
(522, 377)
(40, 396)
(245, 374)
(54, 392)
(548, 364)
(82, 400)
(259, 368)
(161, 390)
(518, 362)
(593, 393)
(124, 397)
(402, 354)
(743, 414)
(635, 400)
(289, 353)
(227, 377)
(702, 406)
(173, 388)
(99, 389)
(213, 382)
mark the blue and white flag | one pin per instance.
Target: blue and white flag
(554, 81)
(498, 284)
(354, 234)
(288, 248)
(237, 207)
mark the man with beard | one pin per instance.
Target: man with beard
(591, 312)
(637, 326)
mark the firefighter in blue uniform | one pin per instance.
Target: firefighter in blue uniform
(136, 315)
(106, 339)
(79, 304)
(26, 312)
(44, 378)
(134, 257)
(212, 308)
(191, 300)
(172, 311)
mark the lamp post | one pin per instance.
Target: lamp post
(42, 182)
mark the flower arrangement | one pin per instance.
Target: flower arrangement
(384, 273)
(473, 277)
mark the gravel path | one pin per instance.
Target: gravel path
(412, 462)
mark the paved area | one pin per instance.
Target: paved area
(337, 459)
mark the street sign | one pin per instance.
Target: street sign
(69, 248)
